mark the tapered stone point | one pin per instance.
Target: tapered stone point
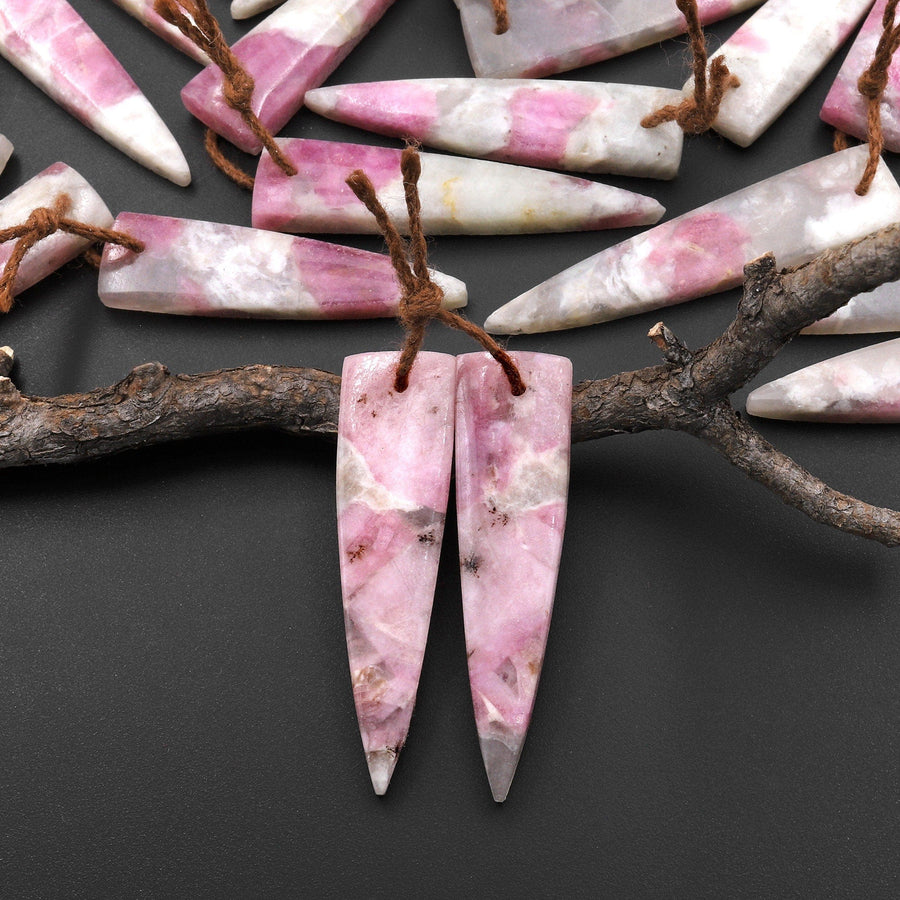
(244, 9)
(500, 763)
(381, 767)
(6, 151)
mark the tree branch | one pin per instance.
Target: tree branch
(688, 392)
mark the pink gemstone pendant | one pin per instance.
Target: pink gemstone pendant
(512, 475)
(393, 479)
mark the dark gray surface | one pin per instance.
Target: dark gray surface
(719, 708)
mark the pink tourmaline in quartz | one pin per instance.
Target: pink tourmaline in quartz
(209, 269)
(55, 48)
(776, 53)
(144, 12)
(512, 475)
(6, 151)
(292, 50)
(794, 215)
(862, 386)
(243, 9)
(572, 125)
(393, 479)
(547, 36)
(56, 250)
(459, 196)
(844, 107)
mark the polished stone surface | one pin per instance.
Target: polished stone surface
(845, 107)
(144, 12)
(776, 53)
(292, 50)
(56, 250)
(860, 386)
(57, 50)
(794, 215)
(393, 479)
(548, 36)
(459, 196)
(575, 126)
(244, 9)
(6, 151)
(210, 269)
(869, 313)
(512, 475)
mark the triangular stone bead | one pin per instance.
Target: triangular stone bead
(393, 478)
(210, 269)
(56, 49)
(459, 196)
(862, 386)
(512, 473)
(794, 215)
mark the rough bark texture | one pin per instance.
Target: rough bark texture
(688, 392)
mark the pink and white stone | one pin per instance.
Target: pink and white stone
(868, 313)
(571, 125)
(243, 9)
(862, 386)
(6, 151)
(845, 107)
(512, 475)
(776, 53)
(192, 268)
(393, 479)
(292, 50)
(56, 250)
(794, 215)
(144, 12)
(56, 49)
(459, 196)
(548, 36)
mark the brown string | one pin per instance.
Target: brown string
(226, 166)
(871, 85)
(696, 114)
(42, 223)
(420, 302)
(501, 16)
(841, 140)
(194, 20)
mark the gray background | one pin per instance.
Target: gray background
(719, 707)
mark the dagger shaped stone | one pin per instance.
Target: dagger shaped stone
(292, 50)
(144, 12)
(862, 386)
(512, 475)
(56, 250)
(776, 53)
(571, 125)
(243, 9)
(393, 480)
(56, 49)
(794, 215)
(459, 196)
(209, 269)
(548, 36)
(845, 108)
(6, 151)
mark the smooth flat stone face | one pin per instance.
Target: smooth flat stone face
(844, 107)
(294, 49)
(547, 36)
(393, 478)
(869, 313)
(512, 474)
(52, 252)
(794, 215)
(243, 9)
(862, 386)
(208, 269)
(6, 151)
(459, 196)
(56, 49)
(144, 12)
(577, 126)
(776, 53)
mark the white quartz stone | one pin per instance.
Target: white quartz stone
(6, 151)
(243, 9)
(869, 313)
